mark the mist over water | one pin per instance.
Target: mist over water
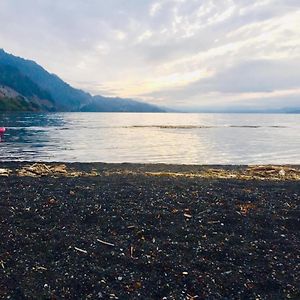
(152, 138)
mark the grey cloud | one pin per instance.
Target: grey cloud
(253, 76)
(160, 48)
(274, 104)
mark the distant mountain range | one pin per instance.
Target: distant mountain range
(26, 86)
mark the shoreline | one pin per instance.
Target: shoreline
(75, 169)
(140, 231)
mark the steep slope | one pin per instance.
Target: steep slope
(27, 76)
(65, 97)
(11, 76)
(18, 92)
(18, 103)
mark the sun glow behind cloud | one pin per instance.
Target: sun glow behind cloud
(175, 53)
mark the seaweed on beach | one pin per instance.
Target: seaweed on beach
(267, 172)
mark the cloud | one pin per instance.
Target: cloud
(172, 52)
(250, 76)
(155, 8)
(252, 82)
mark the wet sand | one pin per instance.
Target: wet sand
(122, 231)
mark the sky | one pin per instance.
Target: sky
(182, 54)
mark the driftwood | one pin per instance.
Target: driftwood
(5, 172)
(39, 169)
(264, 172)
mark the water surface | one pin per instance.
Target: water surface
(152, 138)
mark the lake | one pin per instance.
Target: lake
(177, 138)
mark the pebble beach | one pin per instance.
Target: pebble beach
(126, 231)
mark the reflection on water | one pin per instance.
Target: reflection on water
(152, 138)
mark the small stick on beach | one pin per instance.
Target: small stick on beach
(105, 243)
(80, 250)
(2, 264)
(187, 215)
(131, 251)
(41, 268)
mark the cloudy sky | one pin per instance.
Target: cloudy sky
(176, 53)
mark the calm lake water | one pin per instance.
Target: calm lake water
(152, 138)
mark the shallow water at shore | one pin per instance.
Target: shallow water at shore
(152, 138)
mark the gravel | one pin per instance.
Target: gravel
(130, 235)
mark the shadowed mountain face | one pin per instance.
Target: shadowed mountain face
(100, 103)
(26, 86)
(19, 92)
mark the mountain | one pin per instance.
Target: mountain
(100, 103)
(27, 86)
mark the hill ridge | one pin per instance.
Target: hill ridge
(50, 93)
